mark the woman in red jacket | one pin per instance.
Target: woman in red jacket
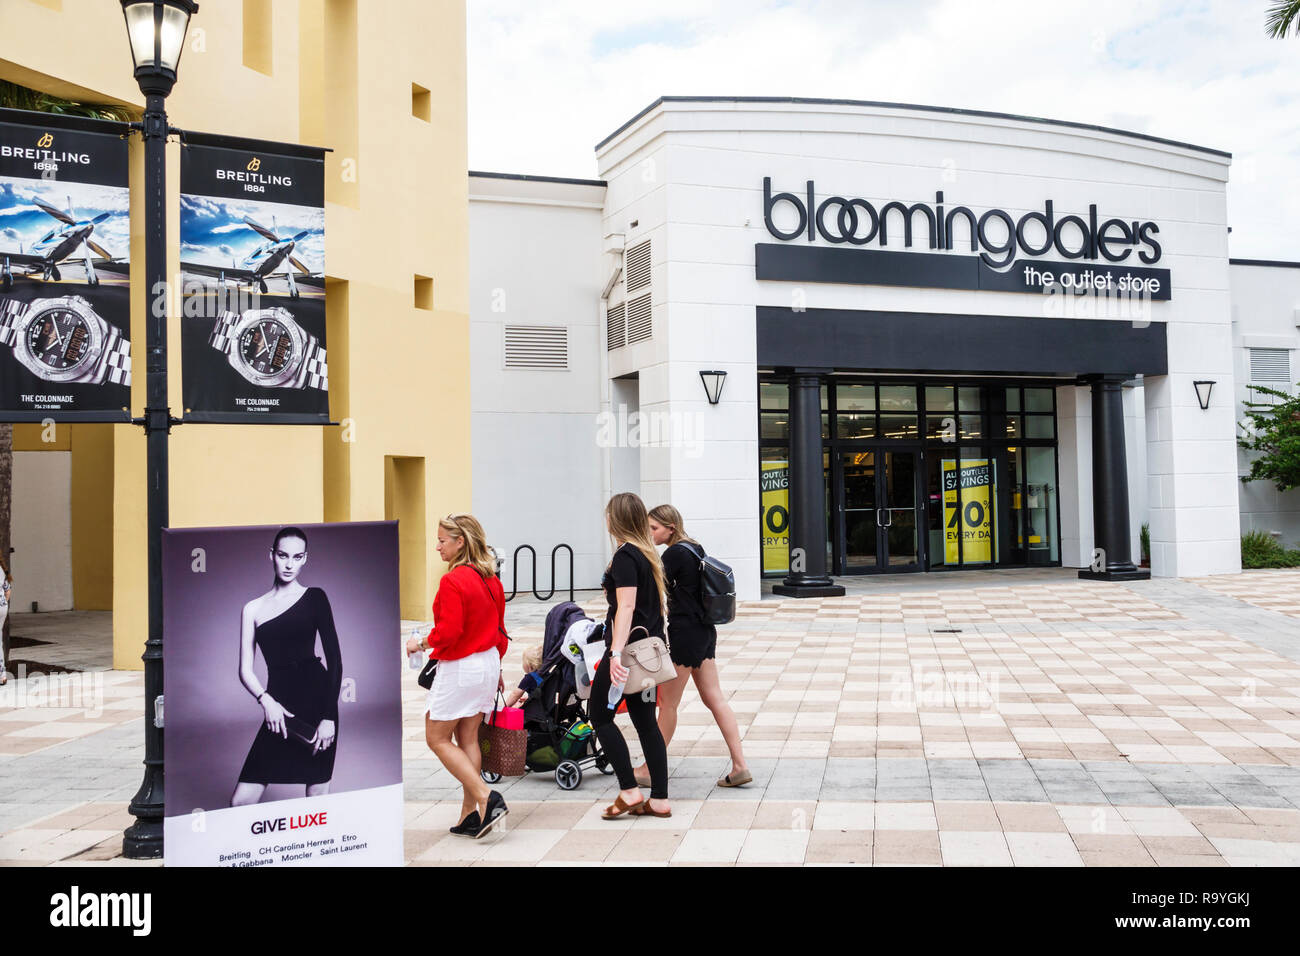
(468, 641)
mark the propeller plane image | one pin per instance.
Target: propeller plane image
(273, 258)
(69, 240)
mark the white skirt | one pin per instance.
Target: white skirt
(464, 687)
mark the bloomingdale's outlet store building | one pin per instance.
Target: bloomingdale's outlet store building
(891, 292)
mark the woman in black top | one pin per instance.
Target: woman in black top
(693, 641)
(300, 702)
(634, 588)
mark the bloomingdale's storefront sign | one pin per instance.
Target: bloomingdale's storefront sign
(997, 238)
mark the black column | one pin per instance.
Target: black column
(1110, 517)
(144, 838)
(807, 493)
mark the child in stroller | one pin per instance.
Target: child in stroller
(560, 737)
(532, 677)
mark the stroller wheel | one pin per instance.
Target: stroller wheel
(602, 764)
(568, 775)
(489, 777)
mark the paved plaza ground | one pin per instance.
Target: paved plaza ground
(979, 719)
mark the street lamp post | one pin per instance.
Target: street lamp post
(157, 33)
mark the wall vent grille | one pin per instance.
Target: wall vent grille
(1270, 365)
(537, 346)
(638, 319)
(616, 326)
(638, 267)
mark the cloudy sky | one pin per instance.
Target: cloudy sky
(548, 81)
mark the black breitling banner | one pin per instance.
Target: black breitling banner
(252, 265)
(65, 320)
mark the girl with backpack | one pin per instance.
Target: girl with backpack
(692, 641)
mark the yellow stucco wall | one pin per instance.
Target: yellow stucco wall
(92, 503)
(396, 207)
(92, 516)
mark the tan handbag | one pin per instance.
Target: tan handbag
(648, 663)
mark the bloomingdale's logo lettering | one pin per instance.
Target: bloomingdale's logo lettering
(858, 222)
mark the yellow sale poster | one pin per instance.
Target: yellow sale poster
(971, 519)
(774, 482)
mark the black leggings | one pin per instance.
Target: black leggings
(613, 745)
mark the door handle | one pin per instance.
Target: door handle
(879, 523)
(889, 514)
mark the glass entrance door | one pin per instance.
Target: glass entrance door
(878, 514)
(861, 543)
(898, 511)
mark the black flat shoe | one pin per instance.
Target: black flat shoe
(496, 811)
(467, 827)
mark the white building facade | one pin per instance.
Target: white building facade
(1266, 341)
(882, 286)
(540, 477)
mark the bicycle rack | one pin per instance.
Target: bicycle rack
(514, 570)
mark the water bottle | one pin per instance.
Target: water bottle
(615, 690)
(415, 661)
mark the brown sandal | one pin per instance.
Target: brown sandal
(649, 811)
(620, 807)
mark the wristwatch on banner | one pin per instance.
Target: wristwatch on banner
(65, 340)
(269, 348)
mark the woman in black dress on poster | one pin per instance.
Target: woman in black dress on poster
(300, 703)
(692, 642)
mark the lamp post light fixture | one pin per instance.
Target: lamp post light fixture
(1203, 389)
(713, 381)
(156, 30)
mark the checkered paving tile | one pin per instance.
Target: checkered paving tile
(1275, 590)
(772, 831)
(941, 674)
(39, 711)
(1070, 724)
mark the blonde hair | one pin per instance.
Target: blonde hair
(628, 522)
(671, 518)
(474, 549)
(532, 658)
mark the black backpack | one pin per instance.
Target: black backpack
(717, 590)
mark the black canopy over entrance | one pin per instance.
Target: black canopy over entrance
(809, 345)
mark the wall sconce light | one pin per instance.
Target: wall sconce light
(713, 384)
(1203, 389)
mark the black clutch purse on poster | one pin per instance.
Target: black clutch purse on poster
(425, 679)
(300, 730)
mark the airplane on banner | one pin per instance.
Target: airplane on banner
(262, 263)
(58, 245)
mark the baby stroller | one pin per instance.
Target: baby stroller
(560, 736)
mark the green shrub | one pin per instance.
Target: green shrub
(1259, 549)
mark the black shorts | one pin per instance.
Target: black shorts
(690, 644)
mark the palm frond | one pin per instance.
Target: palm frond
(17, 97)
(1283, 15)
